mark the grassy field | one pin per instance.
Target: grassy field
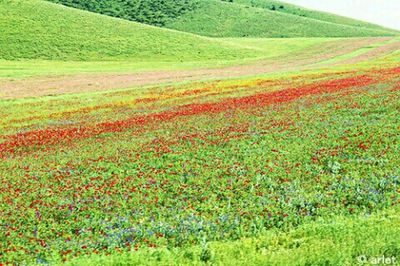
(104, 173)
(348, 241)
(127, 144)
(37, 29)
(92, 43)
(262, 50)
(256, 49)
(34, 78)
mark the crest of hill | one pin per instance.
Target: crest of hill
(238, 19)
(35, 29)
(233, 18)
(279, 6)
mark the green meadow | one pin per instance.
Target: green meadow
(210, 132)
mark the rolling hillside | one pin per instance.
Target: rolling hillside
(225, 19)
(34, 29)
(240, 18)
(308, 13)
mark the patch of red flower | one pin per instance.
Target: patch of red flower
(57, 135)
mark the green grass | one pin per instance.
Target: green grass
(286, 168)
(34, 29)
(361, 51)
(153, 12)
(34, 68)
(240, 18)
(261, 49)
(269, 50)
(337, 241)
(222, 19)
(278, 47)
(179, 181)
(308, 13)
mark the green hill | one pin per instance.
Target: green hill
(153, 12)
(308, 13)
(34, 29)
(225, 19)
(233, 18)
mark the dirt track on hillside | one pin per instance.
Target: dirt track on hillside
(33, 87)
(374, 53)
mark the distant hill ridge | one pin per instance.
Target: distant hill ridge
(308, 13)
(233, 18)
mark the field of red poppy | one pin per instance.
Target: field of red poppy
(188, 132)
(181, 165)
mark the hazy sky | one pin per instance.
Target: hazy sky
(383, 12)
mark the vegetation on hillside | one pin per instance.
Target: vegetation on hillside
(298, 166)
(279, 6)
(225, 19)
(35, 29)
(274, 50)
(154, 12)
(233, 18)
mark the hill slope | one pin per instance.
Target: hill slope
(224, 19)
(37, 29)
(240, 18)
(308, 13)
